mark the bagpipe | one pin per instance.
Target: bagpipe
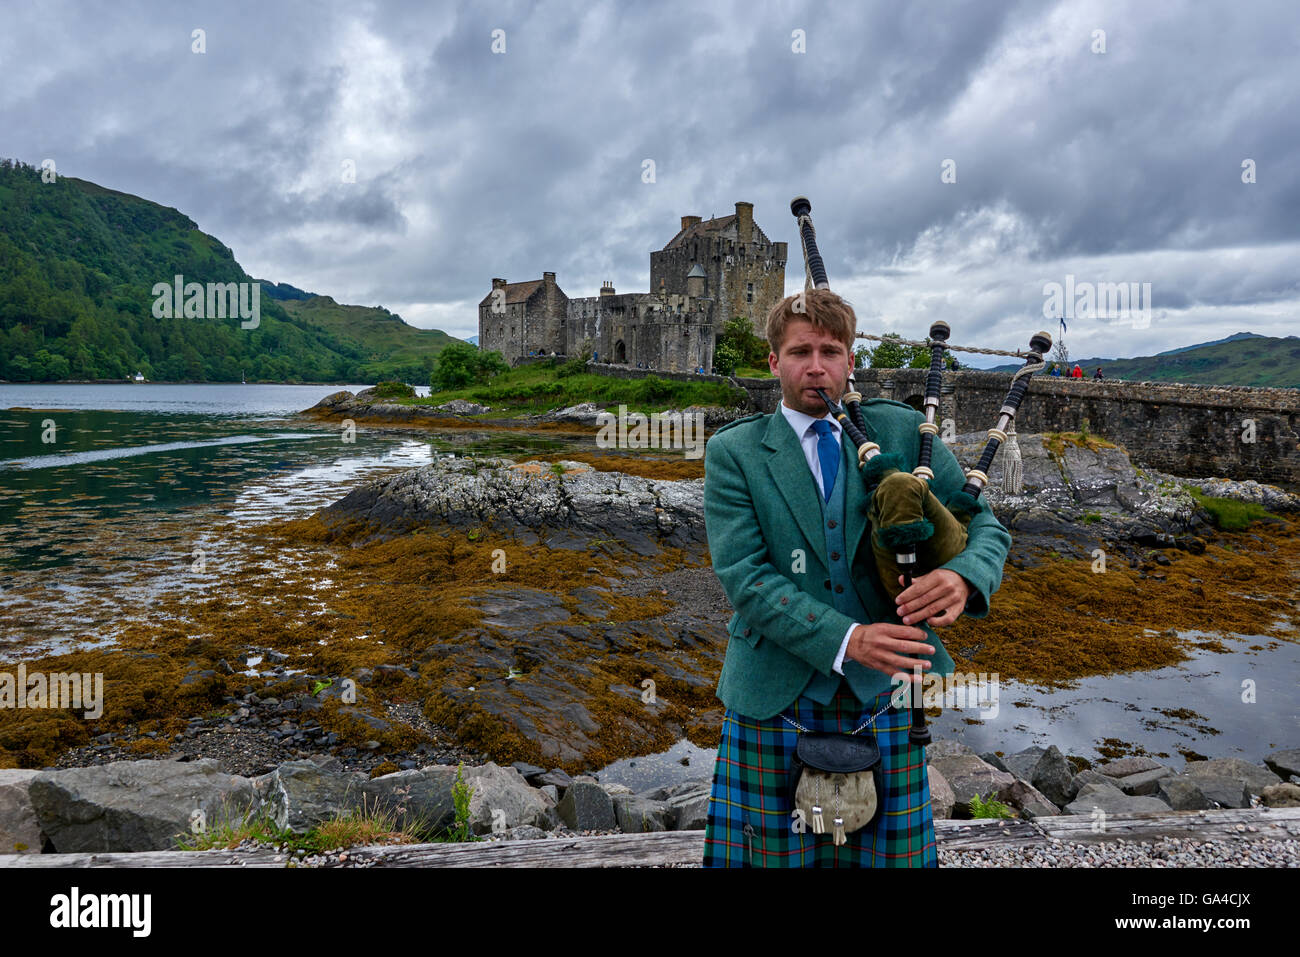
(912, 529)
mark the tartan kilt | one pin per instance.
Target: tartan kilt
(750, 817)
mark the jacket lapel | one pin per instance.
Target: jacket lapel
(792, 478)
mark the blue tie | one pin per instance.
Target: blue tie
(828, 452)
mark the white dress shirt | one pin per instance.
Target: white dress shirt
(808, 438)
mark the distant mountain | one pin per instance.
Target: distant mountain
(1243, 358)
(472, 340)
(79, 266)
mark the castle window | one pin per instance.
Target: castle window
(749, 292)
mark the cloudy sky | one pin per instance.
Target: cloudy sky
(959, 157)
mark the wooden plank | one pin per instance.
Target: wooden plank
(687, 847)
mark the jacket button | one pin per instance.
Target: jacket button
(835, 556)
(812, 617)
(838, 589)
(757, 584)
(747, 631)
(785, 601)
(831, 523)
(828, 583)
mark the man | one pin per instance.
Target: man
(1076, 372)
(1097, 374)
(814, 638)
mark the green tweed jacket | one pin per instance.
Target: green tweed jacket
(760, 513)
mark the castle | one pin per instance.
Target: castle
(710, 272)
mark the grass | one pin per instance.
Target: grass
(540, 387)
(1057, 441)
(1228, 514)
(1092, 518)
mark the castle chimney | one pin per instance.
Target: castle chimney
(498, 283)
(607, 288)
(689, 221)
(548, 278)
(745, 222)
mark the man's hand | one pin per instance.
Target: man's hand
(937, 598)
(881, 646)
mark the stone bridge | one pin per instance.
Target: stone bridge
(1198, 431)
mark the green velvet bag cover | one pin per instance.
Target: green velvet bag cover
(903, 513)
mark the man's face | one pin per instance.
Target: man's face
(810, 358)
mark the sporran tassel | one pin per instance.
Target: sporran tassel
(839, 832)
(818, 822)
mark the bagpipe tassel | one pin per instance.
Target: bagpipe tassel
(1013, 469)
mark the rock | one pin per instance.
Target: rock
(1123, 767)
(1145, 782)
(135, 805)
(1255, 778)
(1181, 793)
(298, 795)
(636, 814)
(941, 796)
(1022, 763)
(586, 807)
(1028, 800)
(616, 790)
(689, 807)
(524, 832)
(1282, 795)
(502, 794)
(529, 771)
(20, 831)
(1113, 801)
(461, 407)
(1089, 776)
(945, 748)
(555, 777)
(1284, 763)
(968, 776)
(420, 798)
(989, 757)
(1223, 791)
(552, 792)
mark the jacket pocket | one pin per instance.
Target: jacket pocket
(744, 632)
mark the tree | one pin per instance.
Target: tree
(738, 332)
(460, 364)
(726, 358)
(1061, 354)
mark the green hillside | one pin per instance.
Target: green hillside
(380, 336)
(78, 265)
(1264, 361)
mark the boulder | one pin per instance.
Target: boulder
(298, 795)
(941, 796)
(1123, 767)
(689, 807)
(1282, 795)
(586, 807)
(1181, 793)
(524, 832)
(968, 776)
(1112, 800)
(1255, 777)
(1022, 763)
(636, 814)
(1144, 782)
(1284, 763)
(501, 794)
(1089, 776)
(420, 799)
(135, 805)
(1028, 800)
(1223, 791)
(20, 832)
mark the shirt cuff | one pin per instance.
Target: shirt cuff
(838, 667)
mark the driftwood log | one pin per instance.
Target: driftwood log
(687, 847)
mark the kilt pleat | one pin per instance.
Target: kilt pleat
(751, 822)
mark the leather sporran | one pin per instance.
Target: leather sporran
(836, 778)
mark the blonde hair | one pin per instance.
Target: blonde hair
(821, 307)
